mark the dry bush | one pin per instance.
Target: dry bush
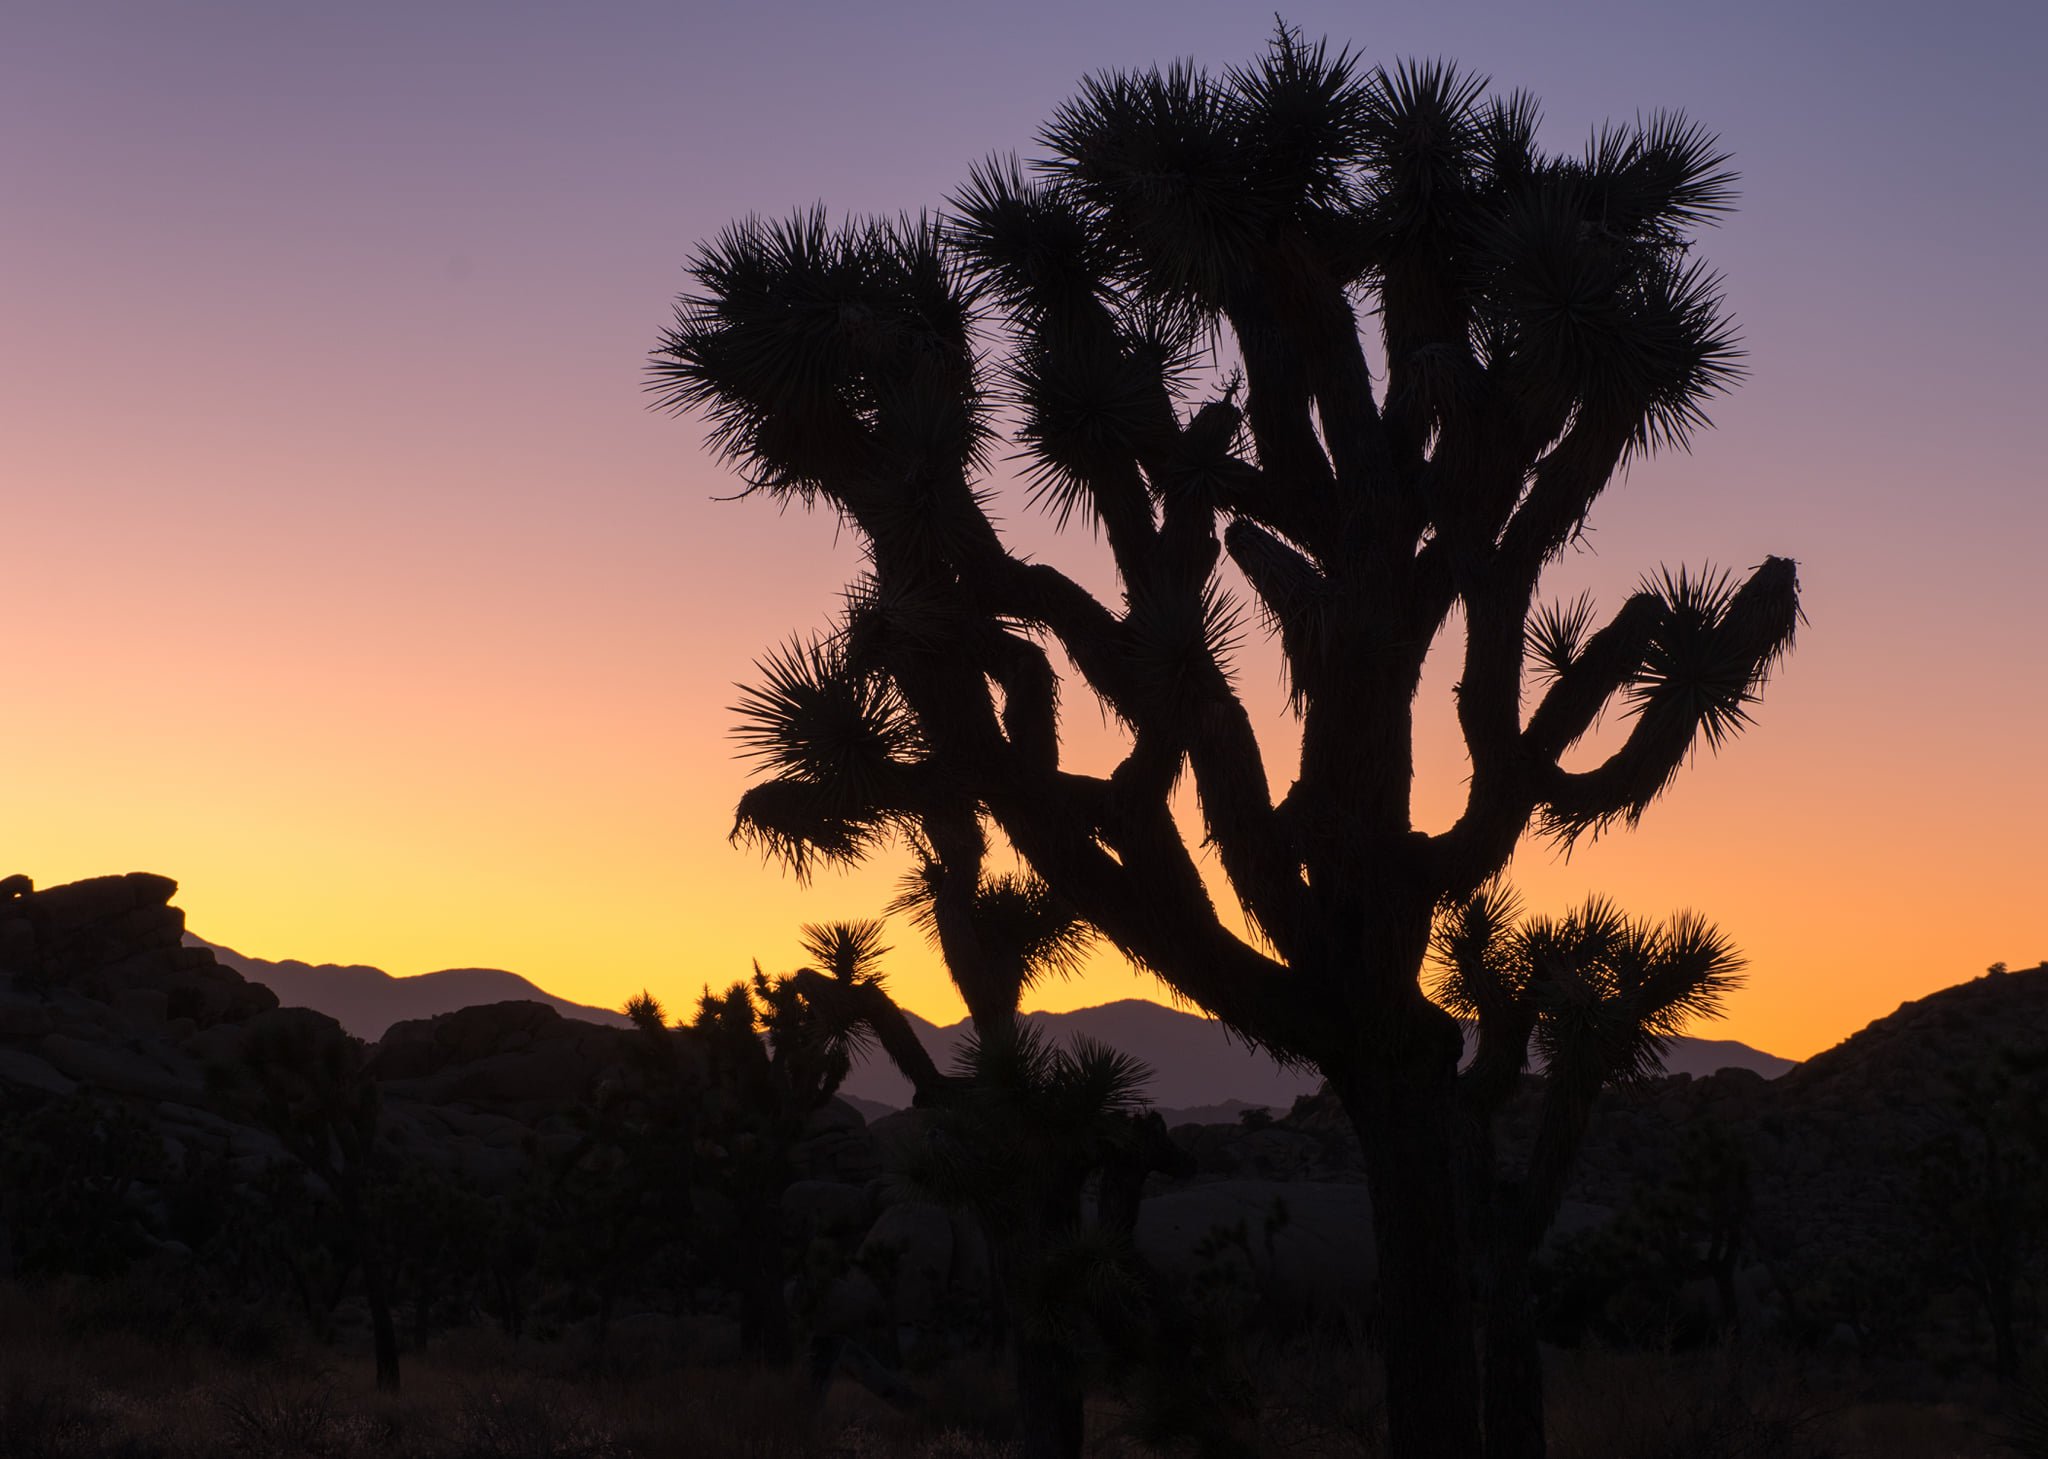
(1695, 1405)
(533, 1419)
(1318, 1395)
(1751, 1402)
(80, 1389)
(2025, 1430)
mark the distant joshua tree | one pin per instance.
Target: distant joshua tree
(619, 1200)
(1539, 322)
(773, 1052)
(1598, 996)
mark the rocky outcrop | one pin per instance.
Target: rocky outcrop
(114, 942)
(517, 1058)
(100, 999)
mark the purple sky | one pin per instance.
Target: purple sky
(351, 582)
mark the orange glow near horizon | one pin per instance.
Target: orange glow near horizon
(348, 580)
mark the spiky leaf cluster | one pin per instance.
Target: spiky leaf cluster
(1033, 1116)
(1599, 994)
(1025, 932)
(840, 747)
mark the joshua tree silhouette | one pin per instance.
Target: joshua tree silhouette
(1599, 996)
(1020, 1127)
(1541, 323)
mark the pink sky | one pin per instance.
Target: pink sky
(349, 581)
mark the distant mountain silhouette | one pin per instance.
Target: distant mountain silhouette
(366, 1001)
(1194, 1060)
(1197, 1064)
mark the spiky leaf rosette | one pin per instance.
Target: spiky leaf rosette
(1481, 962)
(1612, 991)
(1600, 994)
(852, 952)
(1018, 921)
(840, 746)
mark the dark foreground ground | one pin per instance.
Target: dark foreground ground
(78, 1380)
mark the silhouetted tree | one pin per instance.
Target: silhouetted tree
(775, 1052)
(303, 1077)
(621, 1197)
(1541, 323)
(1598, 996)
(1012, 1145)
(1001, 934)
(999, 939)
(1019, 1146)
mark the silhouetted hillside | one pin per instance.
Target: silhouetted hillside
(366, 1001)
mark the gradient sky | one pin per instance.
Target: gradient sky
(345, 576)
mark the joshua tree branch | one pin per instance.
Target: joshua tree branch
(1503, 1052)
(869, 1004)
(1564, 484)
(1606, 665)
(1251, 838)
(1277, 407)
(1142, 890)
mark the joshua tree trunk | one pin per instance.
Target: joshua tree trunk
(1051, 1421)
(383, 1332)
(1404, 1118)
(376, 1278)
(764, 1314)
(1049, 1382)
(1514, 1362)
(1998, 1306)
(377, 1290)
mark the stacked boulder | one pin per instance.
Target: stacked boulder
(99, 995)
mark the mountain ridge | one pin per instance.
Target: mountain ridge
(1196, 1061)
(367, 1001)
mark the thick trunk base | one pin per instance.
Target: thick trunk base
(1051, 1417)
(1406, 1123)
(1514, 1369)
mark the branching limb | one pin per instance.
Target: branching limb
(1706, 665)
(868, 1003)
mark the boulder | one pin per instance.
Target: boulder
(23, 1070)
(519, 1055)
(1301, 1248)
(826, 1208)
(929, 1262)
(149, 1071)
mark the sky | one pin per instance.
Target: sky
(347, 577)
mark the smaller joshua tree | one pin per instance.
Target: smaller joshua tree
(1597, 996)
(1023, 1126)
(1031, 1126)
(620, 1199)
(1020, 933)
(774, 1052)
